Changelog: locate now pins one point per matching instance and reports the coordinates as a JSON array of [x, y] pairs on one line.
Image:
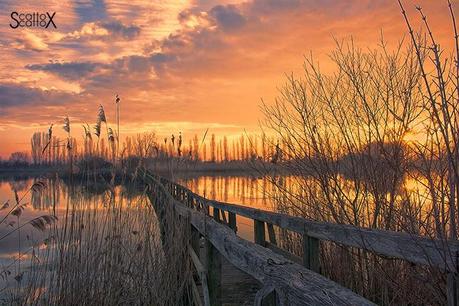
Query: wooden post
[[216, 214], [195, 237], [232, 221], [271, 234], [214, 268], [311, 253], [259, 232]]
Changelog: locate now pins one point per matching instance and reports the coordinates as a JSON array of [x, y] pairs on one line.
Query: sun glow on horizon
[[178, 65]]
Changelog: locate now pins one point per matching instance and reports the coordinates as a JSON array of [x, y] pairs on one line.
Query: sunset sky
[[177, 65]]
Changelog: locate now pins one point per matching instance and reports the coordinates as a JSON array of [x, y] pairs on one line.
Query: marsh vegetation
[[95, 246], [374, 144]]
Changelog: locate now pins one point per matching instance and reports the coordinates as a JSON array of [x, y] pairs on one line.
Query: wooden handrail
[[293, 283], [413, 248]]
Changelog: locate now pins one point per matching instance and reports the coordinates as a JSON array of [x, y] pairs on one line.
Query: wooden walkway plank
[[293, 284], [410, 247], [298, 285]]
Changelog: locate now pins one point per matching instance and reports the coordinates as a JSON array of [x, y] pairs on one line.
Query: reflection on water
[[252, 191], [246, 190], [70, 203], [347, 201], [249, 191], [60, 195]]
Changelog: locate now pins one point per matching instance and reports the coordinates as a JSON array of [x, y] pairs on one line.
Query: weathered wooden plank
[[295, 284], [238, 287], [299, 285], [284, 253], [413, 248]]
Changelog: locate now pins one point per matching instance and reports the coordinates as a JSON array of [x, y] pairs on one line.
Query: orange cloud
[[181, 64]]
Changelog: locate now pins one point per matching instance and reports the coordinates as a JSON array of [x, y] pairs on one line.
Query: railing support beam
[[216, 214], [214, 268], [259, 232], [232, 221], [311, 253]]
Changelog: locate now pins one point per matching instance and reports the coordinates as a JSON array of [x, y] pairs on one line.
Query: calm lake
[[18, 241]]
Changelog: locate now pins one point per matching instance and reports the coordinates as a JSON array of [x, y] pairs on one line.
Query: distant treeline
[[53, 151]]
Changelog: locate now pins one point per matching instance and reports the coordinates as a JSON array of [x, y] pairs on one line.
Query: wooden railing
[[441, 254]]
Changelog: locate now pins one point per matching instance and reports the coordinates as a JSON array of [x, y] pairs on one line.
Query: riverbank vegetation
[[379, 141], [103, 246], [374, 144]]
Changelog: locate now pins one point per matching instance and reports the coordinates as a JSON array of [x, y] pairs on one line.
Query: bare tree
[[346, 138]]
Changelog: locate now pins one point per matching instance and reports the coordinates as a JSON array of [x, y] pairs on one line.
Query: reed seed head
[[101, 115], [67, 124]]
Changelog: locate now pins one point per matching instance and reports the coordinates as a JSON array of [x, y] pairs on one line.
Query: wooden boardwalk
[[238, 288], [233, 271]]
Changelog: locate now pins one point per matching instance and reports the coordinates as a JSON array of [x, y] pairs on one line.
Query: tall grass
[[107, 250]]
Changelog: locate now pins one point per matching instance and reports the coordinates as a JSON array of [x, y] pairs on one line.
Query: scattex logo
[[32, 20]]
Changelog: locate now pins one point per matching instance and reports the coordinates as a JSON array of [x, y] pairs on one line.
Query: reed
[[106, 249]]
